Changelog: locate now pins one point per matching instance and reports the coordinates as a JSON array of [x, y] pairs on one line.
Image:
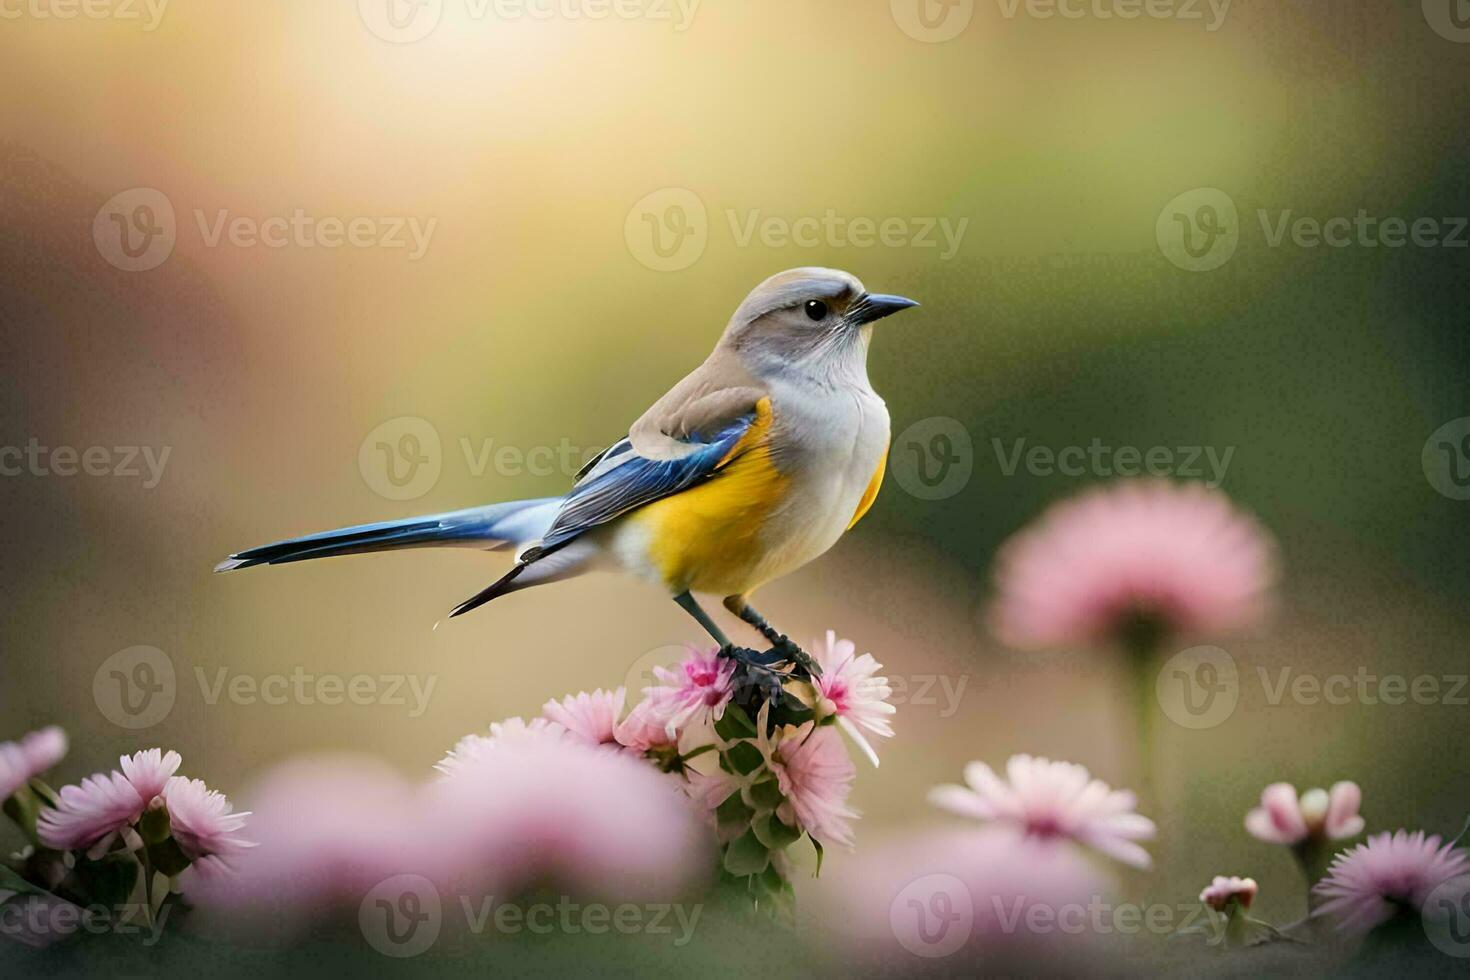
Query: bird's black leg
[[781, 644], [756, 678]]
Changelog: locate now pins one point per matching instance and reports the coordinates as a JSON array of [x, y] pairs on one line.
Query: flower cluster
[[138, 828]]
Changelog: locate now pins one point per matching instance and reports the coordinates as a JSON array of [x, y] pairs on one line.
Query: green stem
[[147, 884]]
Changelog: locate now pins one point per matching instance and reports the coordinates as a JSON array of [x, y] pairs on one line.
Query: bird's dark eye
[[816, 310]]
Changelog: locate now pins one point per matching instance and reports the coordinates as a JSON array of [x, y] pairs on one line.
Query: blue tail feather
[[493, 527]]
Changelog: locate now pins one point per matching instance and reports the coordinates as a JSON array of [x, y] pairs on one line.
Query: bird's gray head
[[815, 321]]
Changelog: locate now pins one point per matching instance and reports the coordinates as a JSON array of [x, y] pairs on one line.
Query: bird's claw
[[756, 680], [789, 651]]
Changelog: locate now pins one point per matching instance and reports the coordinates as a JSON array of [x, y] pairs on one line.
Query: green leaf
[[109, 881], [745, 758], [732, 811], [776, 835], [746, 855], [11, 881], [734, 723], [766, 794], [167, 857], [817, 846]]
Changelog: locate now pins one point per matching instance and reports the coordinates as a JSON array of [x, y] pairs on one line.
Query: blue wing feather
[[621, 481]]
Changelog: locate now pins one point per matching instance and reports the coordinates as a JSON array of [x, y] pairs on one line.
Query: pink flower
[[1178, 554], [850, 689], [203, 822], [643, 729], [698, 688], [1369, 884], [503, 734], [22, 761], [1051, 800], [329, 829], [1319, 814], [964, 896], [815, 777], [560, 813], [1222, 891], [593, 718], [104, 807]]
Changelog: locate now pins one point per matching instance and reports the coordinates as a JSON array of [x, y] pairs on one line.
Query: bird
[[753, 465]]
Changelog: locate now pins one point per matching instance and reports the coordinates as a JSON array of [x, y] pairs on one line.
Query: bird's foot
[[757, 681], [786, 650]]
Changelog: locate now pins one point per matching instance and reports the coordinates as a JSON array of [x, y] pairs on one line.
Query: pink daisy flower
[[593, 718], [697, 689], [1319, 814], [1179, 555], [815, 777], [851, 689], [105, 806], [22, 761], [1052, 800], [1222, 891], [1371, 883], [643, 729], [204, 823], [510, 733]]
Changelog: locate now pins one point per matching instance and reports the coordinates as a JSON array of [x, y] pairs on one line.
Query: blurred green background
[[533, 319]]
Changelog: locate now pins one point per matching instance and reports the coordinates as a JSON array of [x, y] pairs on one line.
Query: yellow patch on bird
[[874, 485], [707, 538]]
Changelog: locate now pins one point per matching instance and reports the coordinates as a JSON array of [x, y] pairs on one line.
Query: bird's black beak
[[875, 306]]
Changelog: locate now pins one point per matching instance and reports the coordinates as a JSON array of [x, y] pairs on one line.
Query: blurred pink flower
[[1222, 891], [1283, 819], [851, 688], [815, 776], [1371, 883], [328, 828], [698, 688], [961, 896], [22, 761], [1089, 567], [557, 811], [104, 806], [203, 822], [593, 718], [1046, 800]]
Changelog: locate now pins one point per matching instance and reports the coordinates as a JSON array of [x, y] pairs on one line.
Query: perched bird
[[750, 467]]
